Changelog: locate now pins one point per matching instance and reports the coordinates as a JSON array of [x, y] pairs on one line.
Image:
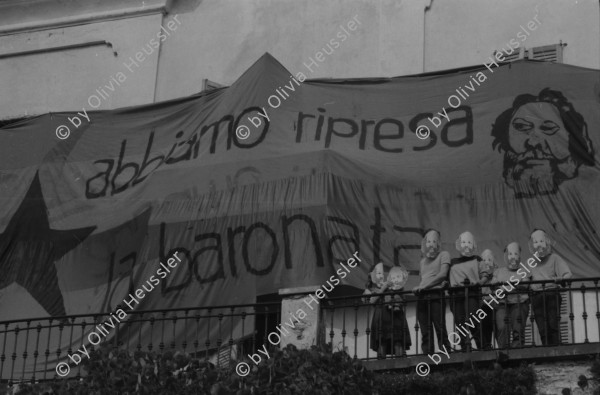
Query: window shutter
[[564, 325], [515, 55], [547, 53]]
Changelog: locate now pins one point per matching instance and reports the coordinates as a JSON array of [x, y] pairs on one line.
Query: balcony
[[30, 349], [348, 325]]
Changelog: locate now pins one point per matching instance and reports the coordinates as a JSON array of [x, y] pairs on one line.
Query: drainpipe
[[427, 8]]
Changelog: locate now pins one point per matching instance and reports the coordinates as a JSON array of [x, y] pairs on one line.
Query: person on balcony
[[398, 326], [431, 303], [546, 298], [488, 264], [512, 310], [466, 270], [376, 285]]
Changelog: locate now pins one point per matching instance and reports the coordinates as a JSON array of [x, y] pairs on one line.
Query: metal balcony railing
[[30, 349], [359, 326]]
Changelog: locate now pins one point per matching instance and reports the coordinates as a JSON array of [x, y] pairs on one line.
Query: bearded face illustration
[[544, 141]]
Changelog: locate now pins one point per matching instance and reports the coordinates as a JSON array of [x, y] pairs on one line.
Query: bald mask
[[512, 256], [540, 243], [466, 245], [397, 277], [430, 245], [377, 275], [488, 259]]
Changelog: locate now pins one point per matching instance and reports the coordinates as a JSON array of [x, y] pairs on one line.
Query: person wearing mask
[[513, 308], [546, 298], [465, 302], [488, 265], [381, 316], [431, 303]]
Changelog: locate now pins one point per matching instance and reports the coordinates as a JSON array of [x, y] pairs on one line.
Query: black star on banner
[[29, 248]]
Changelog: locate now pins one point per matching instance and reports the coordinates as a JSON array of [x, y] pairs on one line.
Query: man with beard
[[431, 304], [466, 270], [512, 311], [546, 299], [544, 140]]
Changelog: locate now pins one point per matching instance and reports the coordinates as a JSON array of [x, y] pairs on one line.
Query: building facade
[[55, 55]]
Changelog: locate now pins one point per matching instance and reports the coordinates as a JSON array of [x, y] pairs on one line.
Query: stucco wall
[[220, 39], [64, 80], [466, 32]]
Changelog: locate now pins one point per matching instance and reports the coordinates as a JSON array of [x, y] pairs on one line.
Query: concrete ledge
[[565, 352], [18, 16], [299, 290]]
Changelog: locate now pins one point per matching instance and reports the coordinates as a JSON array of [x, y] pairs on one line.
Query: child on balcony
[[400, 335], [376, 285], [381, 324]]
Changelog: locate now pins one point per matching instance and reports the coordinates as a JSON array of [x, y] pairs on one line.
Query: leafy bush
[[122, 372], [595, 369], [499, 381], [287, 372], [315, 371]]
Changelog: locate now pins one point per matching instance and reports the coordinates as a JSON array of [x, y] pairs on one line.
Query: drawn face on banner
[[540, 243], [466, 245], [512, 255], [430, 245], [488, 260], [397, 277], [377, 275], [544, 141], [544, 137]]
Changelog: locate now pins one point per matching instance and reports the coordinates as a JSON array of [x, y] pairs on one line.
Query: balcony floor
[[528, 354]]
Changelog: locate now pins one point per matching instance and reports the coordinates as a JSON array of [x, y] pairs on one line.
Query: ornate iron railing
[[30, 349], [352, 322]]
